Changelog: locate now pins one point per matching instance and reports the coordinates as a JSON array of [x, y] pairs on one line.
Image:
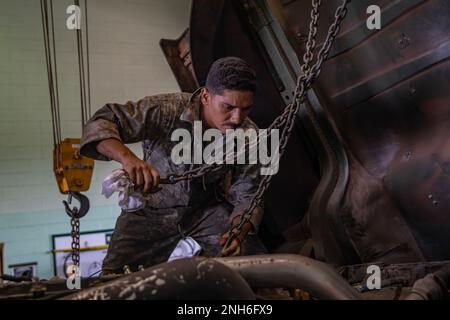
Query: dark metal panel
[[296, 14], [178, 56], [387, 95], [205, 20], [403, 48], [359, 32], [401, 137], [365, 90]]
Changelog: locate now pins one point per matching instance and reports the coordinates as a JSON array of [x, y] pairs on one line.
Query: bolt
[[404, 41], [301, 37], [126, 269]]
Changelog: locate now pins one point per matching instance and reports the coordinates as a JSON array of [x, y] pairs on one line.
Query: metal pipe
[[186, 279], [292, 271]]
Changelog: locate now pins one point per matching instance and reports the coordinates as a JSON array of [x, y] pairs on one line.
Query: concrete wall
[[126, 64]]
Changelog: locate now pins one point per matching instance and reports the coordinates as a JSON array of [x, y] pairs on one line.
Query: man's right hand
[[140, 172]]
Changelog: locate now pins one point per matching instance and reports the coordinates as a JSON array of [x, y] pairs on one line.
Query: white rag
[[130, 198], [186, 248]]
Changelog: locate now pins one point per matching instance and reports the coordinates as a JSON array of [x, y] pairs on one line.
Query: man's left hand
[[234, 248]]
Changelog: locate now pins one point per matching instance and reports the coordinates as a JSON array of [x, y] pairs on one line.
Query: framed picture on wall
[[25, 270], [93, 247]]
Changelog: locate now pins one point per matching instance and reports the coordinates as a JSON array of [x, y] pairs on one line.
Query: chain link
[[311, 43], [75, 223]]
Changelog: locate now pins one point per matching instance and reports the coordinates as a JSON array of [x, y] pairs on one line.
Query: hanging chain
[[75, 223], [75, 233], [75, 215]]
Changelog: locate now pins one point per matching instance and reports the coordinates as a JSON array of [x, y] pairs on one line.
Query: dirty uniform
[[200, 208]]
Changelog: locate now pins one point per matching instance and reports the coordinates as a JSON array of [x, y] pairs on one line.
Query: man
[[203, 208]]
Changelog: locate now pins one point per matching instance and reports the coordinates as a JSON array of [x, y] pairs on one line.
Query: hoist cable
[[80, 54], [89, 110], [44, 24], [56, 130], [56, 87]]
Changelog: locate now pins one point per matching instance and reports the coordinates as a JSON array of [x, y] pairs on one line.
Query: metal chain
[[75, 223], [311, 43], [193, 173]]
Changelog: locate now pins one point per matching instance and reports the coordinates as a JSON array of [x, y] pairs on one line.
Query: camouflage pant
[[148, 237]]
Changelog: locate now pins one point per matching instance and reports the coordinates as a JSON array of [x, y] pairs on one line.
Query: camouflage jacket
[[151, 121]]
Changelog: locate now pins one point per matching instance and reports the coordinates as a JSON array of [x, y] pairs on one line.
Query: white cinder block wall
[[126, 64]]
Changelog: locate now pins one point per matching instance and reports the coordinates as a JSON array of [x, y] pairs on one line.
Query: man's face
[[227, 110]]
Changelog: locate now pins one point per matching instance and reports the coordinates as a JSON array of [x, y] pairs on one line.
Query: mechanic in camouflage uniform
[[203, 208]]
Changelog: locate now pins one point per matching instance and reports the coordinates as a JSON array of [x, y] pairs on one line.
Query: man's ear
[[205, 96]]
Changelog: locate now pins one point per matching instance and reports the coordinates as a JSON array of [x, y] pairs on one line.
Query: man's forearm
[[114, 149], [140, 172]]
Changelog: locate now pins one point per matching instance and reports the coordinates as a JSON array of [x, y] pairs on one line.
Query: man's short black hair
[[230, 73]]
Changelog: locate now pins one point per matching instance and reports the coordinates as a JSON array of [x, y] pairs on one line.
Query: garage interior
[[364, 181]]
